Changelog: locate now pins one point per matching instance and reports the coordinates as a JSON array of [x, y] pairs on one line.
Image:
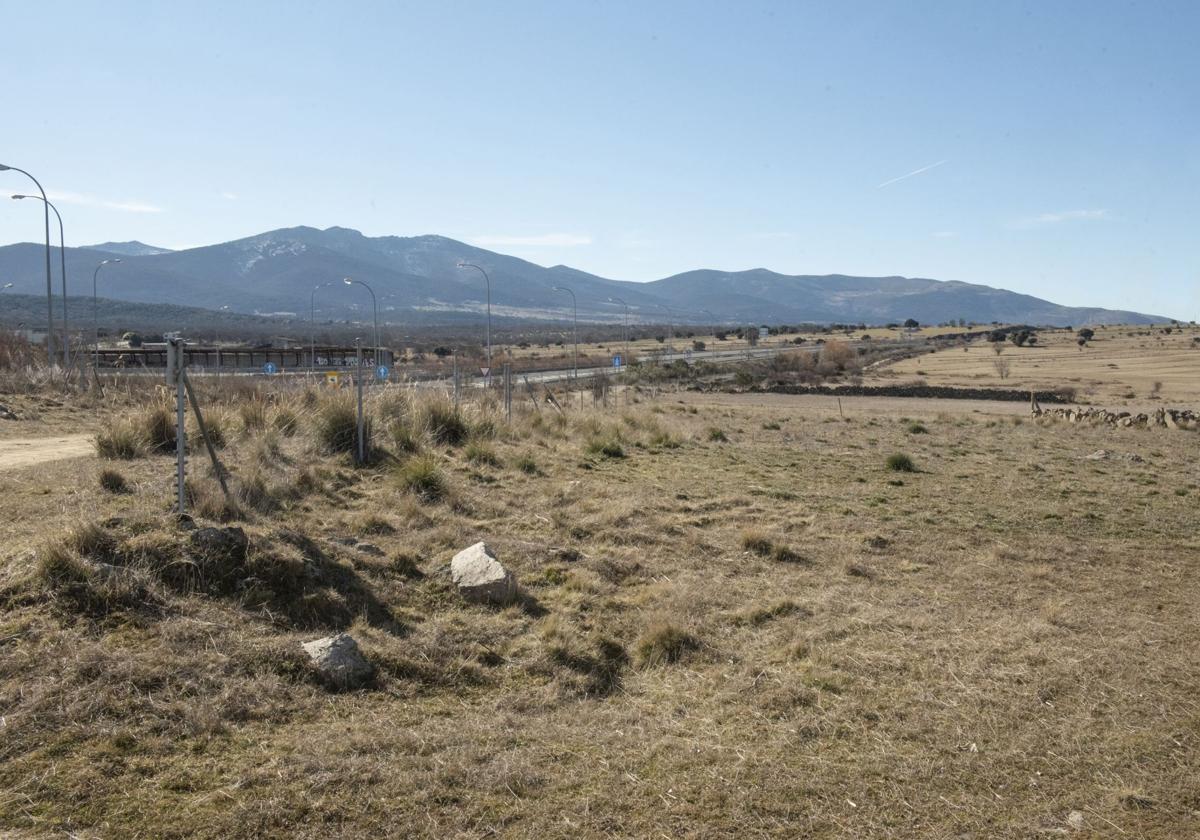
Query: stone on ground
[[481, 578], [339, 661]]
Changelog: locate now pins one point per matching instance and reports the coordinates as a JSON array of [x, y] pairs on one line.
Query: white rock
[[339, 661], [481, 578], [1075, 820]]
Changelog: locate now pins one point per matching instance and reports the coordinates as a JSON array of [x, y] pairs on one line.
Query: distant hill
[[416, 280], [128, 249]]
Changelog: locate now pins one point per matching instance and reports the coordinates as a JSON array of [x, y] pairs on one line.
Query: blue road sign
[[269, 367], [382, 372], [616, 361]]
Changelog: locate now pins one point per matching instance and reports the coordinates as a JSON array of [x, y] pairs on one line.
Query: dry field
[[736, 620], [1120, 367]]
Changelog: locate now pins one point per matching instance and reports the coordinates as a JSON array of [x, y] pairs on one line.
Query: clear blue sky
[[636, 140]]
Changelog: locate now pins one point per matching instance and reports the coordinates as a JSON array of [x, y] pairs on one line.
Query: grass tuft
[[605, 447], [113, 481], [423, 477], [663, 643], [480, 454], [337, 426], [120, 439], [899, 462]]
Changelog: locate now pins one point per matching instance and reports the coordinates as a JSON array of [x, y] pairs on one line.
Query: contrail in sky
[[910, 174]]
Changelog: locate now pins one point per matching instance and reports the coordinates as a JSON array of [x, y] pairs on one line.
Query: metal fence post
[[362, 451], [508, 391], [175, 376]]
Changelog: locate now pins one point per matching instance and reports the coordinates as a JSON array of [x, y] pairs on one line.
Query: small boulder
[[481, 578], [339, 661]]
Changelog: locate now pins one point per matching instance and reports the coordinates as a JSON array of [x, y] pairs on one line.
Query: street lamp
[[487, 280], [49, 288], [62, 254], [350, 281], [626, 305], [95, 316], [575, 308]]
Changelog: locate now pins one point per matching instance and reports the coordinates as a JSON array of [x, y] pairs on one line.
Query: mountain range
[[417, 280]]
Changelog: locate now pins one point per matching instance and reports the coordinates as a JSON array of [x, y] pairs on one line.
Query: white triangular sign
[[485, 371]]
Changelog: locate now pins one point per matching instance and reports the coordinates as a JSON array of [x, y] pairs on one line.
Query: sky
[[1051, 148]]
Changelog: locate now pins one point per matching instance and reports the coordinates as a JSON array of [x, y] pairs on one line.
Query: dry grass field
[[1121, 366], [739, 616]]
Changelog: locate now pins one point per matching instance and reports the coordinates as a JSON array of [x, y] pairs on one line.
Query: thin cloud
[[911, 174], [1058, 218], [91, 201], [772, 235], [228, 196], [945, 234], [545, 240]]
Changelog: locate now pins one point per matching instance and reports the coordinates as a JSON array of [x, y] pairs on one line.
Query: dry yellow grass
[[975, 649], [1119, 367]]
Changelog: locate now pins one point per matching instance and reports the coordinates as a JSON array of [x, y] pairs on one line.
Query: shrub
[[717, 435], [113, 481], [915, 428], [422, 477], [662, 643], [899, 462], [120, 439], [526, 464]]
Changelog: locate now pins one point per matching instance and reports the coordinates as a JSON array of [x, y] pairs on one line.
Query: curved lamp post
[[488, 281], [62, 255], [95, 316], [350, 281], [49, 288], [626, 305], [575, 310]]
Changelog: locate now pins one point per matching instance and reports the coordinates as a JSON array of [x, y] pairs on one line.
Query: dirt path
[[25, 452]]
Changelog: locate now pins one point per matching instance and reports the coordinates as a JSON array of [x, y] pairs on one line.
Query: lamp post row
[[49, 286], [50, 349]]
